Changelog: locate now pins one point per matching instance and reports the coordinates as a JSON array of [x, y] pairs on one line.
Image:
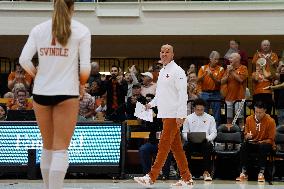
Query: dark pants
[[205, 149], [149, 151], [216, 106], [260, 151]]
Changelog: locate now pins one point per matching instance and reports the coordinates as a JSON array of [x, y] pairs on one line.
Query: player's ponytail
[[61, 21]]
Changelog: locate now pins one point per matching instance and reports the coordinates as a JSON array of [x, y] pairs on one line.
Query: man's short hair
[[150, 95], [94, 64], [136, 86], [236, 41], [115, 66], [260, 104], [200, 102]]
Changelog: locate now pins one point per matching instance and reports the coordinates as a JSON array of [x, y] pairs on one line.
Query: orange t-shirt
[[15, 105], [266, 129], [260, 84], [28, 78], [236, 89], [271, 62], [273, 57], [208, 83]]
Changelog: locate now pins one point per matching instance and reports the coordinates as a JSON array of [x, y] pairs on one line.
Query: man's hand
[[267, 88], [132, 69], [148, 106], [248, 136], [179, 122], [230, 68], [119, 79]]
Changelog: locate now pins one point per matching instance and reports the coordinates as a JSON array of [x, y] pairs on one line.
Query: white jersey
[[171, 93], [205, 123], [57, 72]]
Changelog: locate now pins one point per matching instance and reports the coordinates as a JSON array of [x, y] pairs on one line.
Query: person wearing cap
[[148, 86], [171, 100]]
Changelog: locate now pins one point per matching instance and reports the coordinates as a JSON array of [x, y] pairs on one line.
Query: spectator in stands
[[87, 107], [101, 107], [20, 101], [191, 69], [60, 43], [270, 57], [9, 95], [148, 87], [131, 79], [209, 78], [171, 99], [193, 91], [116, 94], [95, 73], [131, 101], [278, 89], [148, 151], [234, 48], [259, 136], [3, 112], [235, 78], [200, 121], [19, 76], [261, 79], [19, 86], [97, 89]]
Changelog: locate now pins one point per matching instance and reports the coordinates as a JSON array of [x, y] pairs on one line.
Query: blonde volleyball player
[[59, 42]]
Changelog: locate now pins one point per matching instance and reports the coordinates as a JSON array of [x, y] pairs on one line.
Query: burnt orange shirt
[[14, 105], [260, 84], [208, 83], [236, 89], [265, 131], [28, 78], [273, 58], [271, 62]]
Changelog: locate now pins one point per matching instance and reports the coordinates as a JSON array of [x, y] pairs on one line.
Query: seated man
[[149, 150], [200, 121], [259, 136]]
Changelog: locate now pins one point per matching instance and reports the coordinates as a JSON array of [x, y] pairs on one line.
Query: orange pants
[[170, 140]]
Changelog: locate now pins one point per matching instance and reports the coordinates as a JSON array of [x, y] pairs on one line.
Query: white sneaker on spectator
[[145, 180]]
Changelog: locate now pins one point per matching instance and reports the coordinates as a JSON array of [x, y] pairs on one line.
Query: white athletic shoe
[[183, 184], [145, 181]]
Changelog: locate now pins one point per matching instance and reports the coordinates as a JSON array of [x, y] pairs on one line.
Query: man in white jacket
[[200, 121], [171, 100]]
